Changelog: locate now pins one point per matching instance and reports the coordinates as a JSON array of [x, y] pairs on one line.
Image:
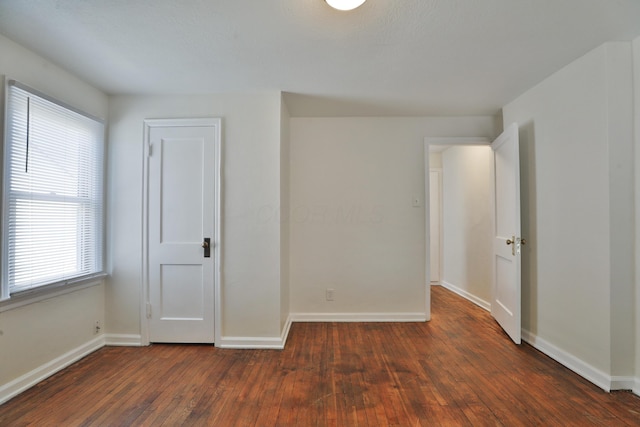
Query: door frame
[[144, 285], [438, 172], [480, 140]]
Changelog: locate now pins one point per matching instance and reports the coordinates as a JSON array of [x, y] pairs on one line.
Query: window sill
[[32, 296]]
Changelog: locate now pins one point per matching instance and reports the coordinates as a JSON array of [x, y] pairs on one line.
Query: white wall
[[467, 213], [577, 205], [33, 335], [353, 227], [251, 186]]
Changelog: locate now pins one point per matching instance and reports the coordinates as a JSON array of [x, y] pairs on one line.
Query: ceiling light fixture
[[344, 4]]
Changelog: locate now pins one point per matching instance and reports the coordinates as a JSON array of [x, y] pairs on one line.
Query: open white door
[[506, 305]]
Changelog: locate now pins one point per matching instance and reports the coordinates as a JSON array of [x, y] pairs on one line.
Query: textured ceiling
[[388, 57]]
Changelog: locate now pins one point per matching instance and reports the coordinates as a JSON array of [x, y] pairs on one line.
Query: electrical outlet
[[97, 328], [329, 294]]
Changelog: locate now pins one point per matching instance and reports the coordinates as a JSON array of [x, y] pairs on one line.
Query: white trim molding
[[622, 383], [123, 340], [466, 295], [28, 380], [636, 387], [274, 343], [457, 140], [359, 317], [249, 343], [48, 292], [588, 372]]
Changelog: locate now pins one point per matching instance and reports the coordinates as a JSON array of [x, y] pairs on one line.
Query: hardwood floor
[[458, 369]]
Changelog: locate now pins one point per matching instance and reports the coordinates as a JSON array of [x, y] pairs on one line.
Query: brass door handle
[[522, 241], [205, 244], [516, 244]]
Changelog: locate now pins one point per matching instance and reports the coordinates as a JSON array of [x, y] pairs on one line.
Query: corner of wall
[[620, 142], [285, 117], [272, 343], [636, 144], [499, 123]]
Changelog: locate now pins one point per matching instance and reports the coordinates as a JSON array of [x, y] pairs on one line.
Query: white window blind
[[53, 192]]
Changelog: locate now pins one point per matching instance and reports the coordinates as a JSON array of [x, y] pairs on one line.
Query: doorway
[[504, 241], [182, 230], [462, 166], [465, 252]]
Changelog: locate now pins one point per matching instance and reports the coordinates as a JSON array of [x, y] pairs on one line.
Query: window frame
[[9, 299]]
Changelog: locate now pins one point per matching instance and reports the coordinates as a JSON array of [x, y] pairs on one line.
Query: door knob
[[517, 243], [522, 241]]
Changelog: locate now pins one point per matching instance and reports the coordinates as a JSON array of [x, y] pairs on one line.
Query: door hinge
[[148, 310], [149, 150]]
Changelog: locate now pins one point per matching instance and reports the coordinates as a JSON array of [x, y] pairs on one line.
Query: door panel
[[506, 304], [181, 185], [181, 209], [181, 292]]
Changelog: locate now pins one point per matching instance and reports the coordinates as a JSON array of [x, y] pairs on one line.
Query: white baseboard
[[622, 383], [22, 383], [474, 299], [275, 343], [604, 381], [278, 343], [588, 372], [285, 330], [123, 340], [359, 317]]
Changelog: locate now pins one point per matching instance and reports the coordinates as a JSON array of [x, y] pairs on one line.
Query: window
[[53, 192]]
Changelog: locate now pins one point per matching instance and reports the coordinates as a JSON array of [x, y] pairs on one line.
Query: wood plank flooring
[[458, 369]]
